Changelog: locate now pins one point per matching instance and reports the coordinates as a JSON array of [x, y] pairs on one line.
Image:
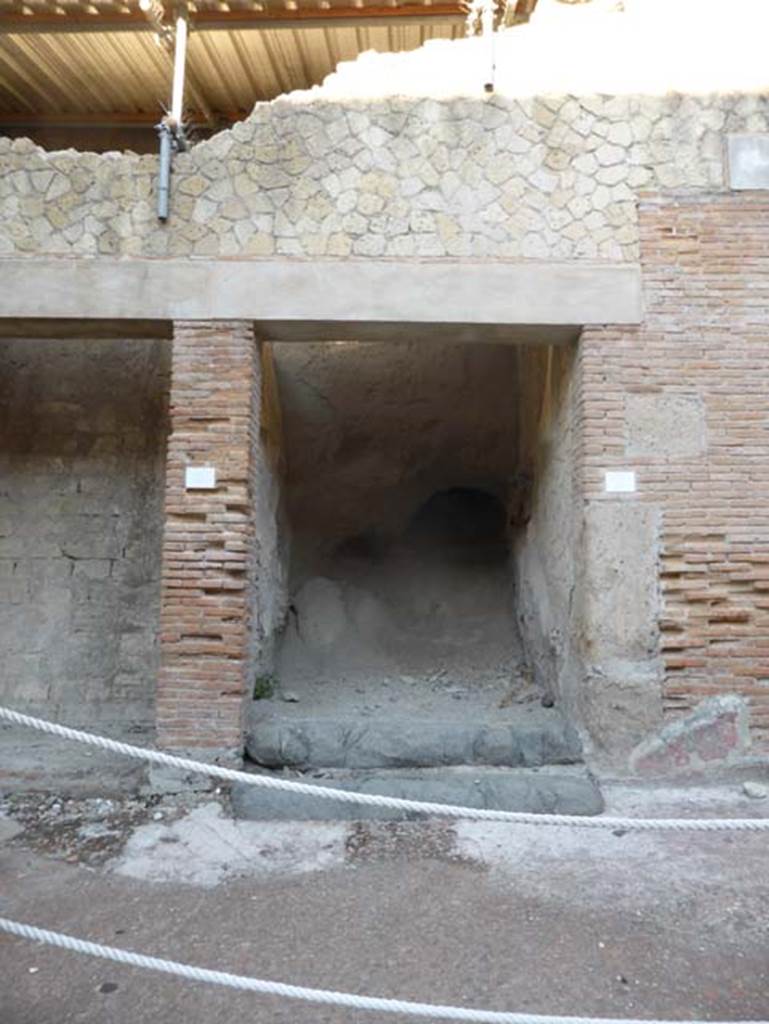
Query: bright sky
[[652, 47]]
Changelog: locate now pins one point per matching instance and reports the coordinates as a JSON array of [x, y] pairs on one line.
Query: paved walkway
[[550, 921]]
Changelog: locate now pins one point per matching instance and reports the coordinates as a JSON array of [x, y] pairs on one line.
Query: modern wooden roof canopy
[[100, 62]]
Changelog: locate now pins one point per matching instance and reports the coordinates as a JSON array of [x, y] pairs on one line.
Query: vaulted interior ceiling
[[72, 69]]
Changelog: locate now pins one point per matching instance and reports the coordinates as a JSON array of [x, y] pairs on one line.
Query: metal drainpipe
[[488, 14], [164, 168], [170, 129]]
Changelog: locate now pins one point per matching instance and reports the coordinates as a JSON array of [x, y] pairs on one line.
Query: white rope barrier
[[307, 995], [395, 803]]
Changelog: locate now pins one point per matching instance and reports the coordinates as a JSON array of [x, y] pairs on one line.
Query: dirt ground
[[544, 920]]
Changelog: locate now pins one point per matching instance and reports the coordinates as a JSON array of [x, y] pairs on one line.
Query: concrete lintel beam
[[346, 292]]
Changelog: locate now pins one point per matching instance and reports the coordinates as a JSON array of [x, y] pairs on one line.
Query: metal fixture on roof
[[482, 19], [155, 14], [171, 128]]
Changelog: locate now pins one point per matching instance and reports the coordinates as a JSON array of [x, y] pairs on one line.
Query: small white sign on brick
[[620, 481], [200, 478]]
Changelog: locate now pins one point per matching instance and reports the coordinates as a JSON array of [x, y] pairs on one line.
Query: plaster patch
[[671, 425], [620, 580], [509, 853], [641, 866], [618, 599], [716, 732], [206, 847]]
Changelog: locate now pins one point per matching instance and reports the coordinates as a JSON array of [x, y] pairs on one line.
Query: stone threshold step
[[284, 736], [567, 790]]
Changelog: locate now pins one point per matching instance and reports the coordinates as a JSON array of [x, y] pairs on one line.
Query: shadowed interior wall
[[372, 431], [549, 518], [269, 570], [82, 439], [401, 462]]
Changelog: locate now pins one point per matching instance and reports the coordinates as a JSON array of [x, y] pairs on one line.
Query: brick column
[[208, 537]]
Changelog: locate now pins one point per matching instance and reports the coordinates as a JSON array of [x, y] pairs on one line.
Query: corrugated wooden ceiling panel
[[128, 73]]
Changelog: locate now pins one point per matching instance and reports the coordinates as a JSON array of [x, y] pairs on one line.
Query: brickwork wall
[[684, 400], [209, 536]]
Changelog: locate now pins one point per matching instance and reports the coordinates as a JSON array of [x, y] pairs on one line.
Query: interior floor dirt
[[408, 638], [442, 695]]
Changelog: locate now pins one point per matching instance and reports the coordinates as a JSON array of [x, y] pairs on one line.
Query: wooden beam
[[238, 20], [522, 11], [112, 119], [85, 329]]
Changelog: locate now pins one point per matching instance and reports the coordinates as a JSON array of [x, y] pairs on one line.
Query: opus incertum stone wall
[[554, 177]]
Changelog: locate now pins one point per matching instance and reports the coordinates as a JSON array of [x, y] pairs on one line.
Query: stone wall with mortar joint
[[682, 400], [83, 427], [549, 177]]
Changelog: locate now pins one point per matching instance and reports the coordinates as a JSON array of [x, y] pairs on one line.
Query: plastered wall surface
[[83, 426], [268, 571], [547, 543]]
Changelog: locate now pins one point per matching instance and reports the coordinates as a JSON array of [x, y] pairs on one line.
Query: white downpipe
[[180, 56], [171, 128]]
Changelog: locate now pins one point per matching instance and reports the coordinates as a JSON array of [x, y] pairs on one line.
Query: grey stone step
[[284, 736], [566, 790]]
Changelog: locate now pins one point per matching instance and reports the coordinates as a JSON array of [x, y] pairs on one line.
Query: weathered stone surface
[[292, 736], [539, 791], [545, 548], [669, 424], [617, 605], [714, 735], [410, 168], [83, 426]]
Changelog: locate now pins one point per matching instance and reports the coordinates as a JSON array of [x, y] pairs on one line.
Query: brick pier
[[208, 538]]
